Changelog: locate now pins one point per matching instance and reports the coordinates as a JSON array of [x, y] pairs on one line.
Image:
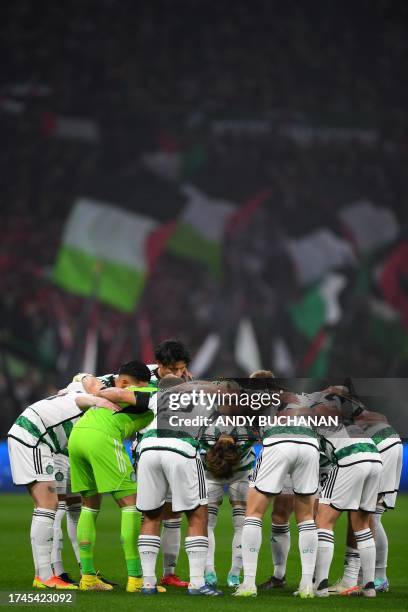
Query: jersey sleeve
[[75, 387]]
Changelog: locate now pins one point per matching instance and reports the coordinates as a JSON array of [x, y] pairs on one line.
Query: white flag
[[247, 353]]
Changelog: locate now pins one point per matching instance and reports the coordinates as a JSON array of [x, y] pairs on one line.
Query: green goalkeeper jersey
[[123, 424]]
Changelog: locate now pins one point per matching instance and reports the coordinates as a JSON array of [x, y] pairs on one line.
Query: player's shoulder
[[108, 380], [73, 387]]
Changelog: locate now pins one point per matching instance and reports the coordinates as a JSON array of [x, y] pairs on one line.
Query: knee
[[359, 525], [303, 516], [49, 501], [73, 500], [168, 514], [283, 507], [325, 519], [280, 517], [304, 508], [153, 516], [198, 517]]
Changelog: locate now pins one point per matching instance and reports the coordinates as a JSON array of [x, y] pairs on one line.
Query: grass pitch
[[16, 566]]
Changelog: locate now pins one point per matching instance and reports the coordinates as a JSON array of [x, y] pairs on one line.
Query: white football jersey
[[49, 420]]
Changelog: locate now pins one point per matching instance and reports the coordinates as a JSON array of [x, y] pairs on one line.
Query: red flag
[[157, 241], [392, 279], [245, 212], [313, 350]]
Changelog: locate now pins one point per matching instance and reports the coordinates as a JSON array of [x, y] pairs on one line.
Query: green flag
[[200, 229], [103, 253]]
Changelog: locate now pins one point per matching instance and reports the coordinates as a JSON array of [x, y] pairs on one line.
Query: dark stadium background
[[290, 111]]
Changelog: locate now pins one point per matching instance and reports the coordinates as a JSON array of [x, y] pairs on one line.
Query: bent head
[[223, 459], [172, 357], [133, 374]]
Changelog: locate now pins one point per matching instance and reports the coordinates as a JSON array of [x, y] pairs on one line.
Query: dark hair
[[170, 351], [222, 459], [136, 369]]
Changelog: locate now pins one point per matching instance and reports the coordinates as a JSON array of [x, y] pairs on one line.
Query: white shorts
[[136, 467], [353, 487], [30, 464], [164, 472], [237, 488], [300, 461], [391, 475], [62, 474], [288, 485]]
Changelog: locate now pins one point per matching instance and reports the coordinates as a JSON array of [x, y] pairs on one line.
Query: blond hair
[[262, 374]]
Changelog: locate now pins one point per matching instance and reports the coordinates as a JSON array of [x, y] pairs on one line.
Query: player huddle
[[68, 450]]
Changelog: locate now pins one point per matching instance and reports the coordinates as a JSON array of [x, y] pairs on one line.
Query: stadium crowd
[[254, 56]]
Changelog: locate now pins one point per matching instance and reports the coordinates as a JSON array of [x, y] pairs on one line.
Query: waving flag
[[201, 228], [317, 253], [370, 227], [104, 253], [319, 306]]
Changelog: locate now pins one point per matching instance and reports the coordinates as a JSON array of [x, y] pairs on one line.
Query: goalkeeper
[[100, 464]]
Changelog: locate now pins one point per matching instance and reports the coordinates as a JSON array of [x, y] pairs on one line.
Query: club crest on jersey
[[59, 476], [49, 469]]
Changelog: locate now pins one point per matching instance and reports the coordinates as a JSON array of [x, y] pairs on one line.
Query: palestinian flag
[[201, 228], [313, 316], [104, 253]]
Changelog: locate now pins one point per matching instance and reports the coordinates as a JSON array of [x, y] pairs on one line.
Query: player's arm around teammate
[[100, 464], [34, 440]]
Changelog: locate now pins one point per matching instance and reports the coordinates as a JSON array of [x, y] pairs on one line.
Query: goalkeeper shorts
[[99, 463]]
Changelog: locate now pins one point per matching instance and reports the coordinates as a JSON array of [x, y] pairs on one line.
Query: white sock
[[212, 521], [280, 545], [325, 550], [197, 550], [308, 551], [149, 546], [381, 545], [34, 557], [56, 553], [366, 548], [170, 543], [73, 512], [42, 532], [251, 543], [351, 567], [238, 517]]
